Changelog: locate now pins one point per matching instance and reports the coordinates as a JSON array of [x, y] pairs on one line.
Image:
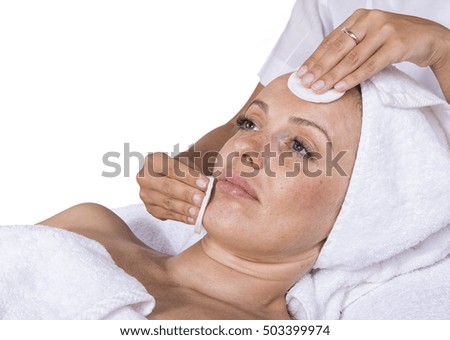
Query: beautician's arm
[[168, 186], [441, 70], [384, 38]]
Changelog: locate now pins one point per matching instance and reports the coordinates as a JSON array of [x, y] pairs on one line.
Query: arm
[[384, 38], [169, 195], [441, 70]]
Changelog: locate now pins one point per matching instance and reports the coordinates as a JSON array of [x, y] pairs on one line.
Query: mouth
[[236, 186]]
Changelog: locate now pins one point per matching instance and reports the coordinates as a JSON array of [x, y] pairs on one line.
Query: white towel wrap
[[50, 273]]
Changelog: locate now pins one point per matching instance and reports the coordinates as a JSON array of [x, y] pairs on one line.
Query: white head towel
[[396, 215]]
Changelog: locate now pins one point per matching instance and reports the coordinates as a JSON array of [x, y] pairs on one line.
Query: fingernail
[[318, 85], [340, 86], [302, 70], [197, 199], [308, 78], [190, 220], [192, 211], [201, 183]]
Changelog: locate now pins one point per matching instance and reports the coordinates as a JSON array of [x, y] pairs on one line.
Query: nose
[[250, 152]]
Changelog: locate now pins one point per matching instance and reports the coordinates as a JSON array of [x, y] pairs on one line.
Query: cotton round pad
[[295, 85], [198, 223]]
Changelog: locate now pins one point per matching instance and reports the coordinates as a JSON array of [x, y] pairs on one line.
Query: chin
[[225, 218], [216, 215]]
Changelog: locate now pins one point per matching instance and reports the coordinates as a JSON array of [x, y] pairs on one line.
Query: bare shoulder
[[93, 221]]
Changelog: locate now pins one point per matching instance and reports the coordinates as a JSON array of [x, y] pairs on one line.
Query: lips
[[236, 186]]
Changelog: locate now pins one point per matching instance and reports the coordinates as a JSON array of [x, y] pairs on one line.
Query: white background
[[82, 78]]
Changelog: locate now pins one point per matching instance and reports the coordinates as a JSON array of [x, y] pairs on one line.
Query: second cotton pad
[[296, 87], [198, 223]]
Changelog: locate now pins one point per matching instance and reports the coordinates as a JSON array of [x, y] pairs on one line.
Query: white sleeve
[[302, 35]]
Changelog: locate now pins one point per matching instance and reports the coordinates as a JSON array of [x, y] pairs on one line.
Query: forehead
[[341, 118]]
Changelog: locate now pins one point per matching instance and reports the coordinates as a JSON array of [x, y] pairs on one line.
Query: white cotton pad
[[198, 224], [295, 85]]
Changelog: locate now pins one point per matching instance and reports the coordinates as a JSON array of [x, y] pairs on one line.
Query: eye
[[300, 148], [246, 124]]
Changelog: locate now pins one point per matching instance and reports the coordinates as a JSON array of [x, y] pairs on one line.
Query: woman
[[265, 225]]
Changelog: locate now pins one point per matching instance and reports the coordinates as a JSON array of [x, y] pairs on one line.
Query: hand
[[171, 189], [384, 38]]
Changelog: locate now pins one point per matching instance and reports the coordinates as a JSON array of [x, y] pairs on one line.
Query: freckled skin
[[293, 214]]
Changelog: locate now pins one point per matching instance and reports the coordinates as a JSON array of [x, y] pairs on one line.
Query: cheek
[[295, 213], [300, 194], [309, 183], [305, 209]]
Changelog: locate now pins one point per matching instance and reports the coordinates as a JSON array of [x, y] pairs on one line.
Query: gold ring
[[350, 34]]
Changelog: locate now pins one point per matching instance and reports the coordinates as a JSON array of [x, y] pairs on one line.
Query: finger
[[184, 173], [161, 164], [171, 204], [371, 66], [334, 51], [172, 188], [164, 214], [330, 51], [322, 49], [154, 164], [354, 59]]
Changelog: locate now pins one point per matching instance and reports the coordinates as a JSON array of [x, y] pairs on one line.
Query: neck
[[215, 272]]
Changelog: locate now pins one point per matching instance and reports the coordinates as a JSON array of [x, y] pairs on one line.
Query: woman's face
[[282, 178]]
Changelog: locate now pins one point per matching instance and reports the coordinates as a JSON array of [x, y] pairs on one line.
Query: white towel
[[396, 215], [50, 273], [421, 294]]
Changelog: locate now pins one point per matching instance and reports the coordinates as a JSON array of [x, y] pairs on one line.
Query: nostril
[[250, 159], [247, 160]]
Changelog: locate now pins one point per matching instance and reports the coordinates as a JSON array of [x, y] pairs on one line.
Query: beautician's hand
[[170, 189], [374, 39]]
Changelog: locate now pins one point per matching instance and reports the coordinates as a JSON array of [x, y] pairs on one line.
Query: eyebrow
[[306, 122], [292, 119], [262, 105]]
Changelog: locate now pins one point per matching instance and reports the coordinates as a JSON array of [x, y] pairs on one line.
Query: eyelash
[[242, 120]]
